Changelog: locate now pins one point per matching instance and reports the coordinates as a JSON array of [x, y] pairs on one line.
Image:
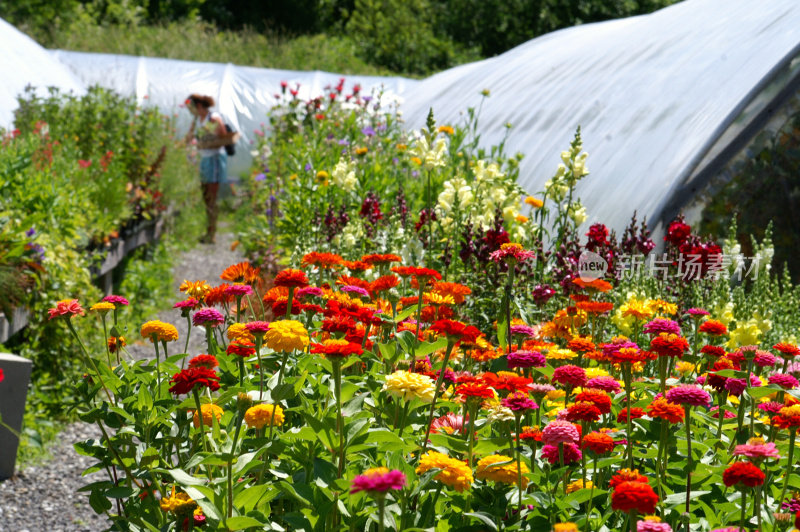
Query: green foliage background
[[413, 37]]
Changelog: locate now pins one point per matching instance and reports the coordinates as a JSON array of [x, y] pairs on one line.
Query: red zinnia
[[636, 413], [381, 259], [742, 474], [582, 411], [188, 379], [626, 475], [337, 349], [713, 350], [598, 398], [291, 279], [473, 389], [787, 350], [669, 345], [713, 327], [321, 260], [242, 348], [570, 375], [66, 307], [204, 361], [634, 496], [455, 330], [382, 284]]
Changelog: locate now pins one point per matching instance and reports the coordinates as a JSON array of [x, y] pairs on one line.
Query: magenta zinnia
[[209, 317], [378, 480]]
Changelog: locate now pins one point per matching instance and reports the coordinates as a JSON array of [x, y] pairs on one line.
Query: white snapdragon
[[344, 175]]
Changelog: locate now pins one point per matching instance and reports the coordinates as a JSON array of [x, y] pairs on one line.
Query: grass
[[201, 41]]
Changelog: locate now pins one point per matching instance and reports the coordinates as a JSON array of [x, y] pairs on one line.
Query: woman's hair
[[200, 99]]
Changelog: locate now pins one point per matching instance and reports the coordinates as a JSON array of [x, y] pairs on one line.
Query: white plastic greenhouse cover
[[653, 94], [23, 62], [244, 95]]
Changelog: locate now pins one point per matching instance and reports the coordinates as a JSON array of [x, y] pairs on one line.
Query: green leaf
[[426, 348], [120, 492], [482, 517], [241, 522], [254, 496], [185, 479]]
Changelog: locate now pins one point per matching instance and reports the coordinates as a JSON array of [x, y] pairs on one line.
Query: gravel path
[[45, 497]]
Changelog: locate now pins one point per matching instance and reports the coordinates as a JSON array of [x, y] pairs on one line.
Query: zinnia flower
[[519, 402], [474, 389], [757, 449], [526, 359], [505, 473], [378, 480], [116, 300], [598, 442], [713, 328], [454, 473], [605, 383], [291, 279], [207, 317], [671, 345], [646, 525], [337, 349], [455, 330], [163, 332], [662, 325], [242, 272], [260, 415], [784, 380], [450, 423], [286, 335], [569, 375], [598, 398], [238, 331], [208, 410], [634, 496], [410, 386], [205, 361], [188, 379], [179, 504], [572, 453], [582, 411], [103, 306], [241, 347], [741, 474], [688, 394], [67, 308], [560, 431], [663, 409], [635, 413], [195, 289]]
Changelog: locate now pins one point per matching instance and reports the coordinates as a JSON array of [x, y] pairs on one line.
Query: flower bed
[[481, 370]]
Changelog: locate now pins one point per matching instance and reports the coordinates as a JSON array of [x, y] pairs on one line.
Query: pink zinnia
[[511, 251], [765, 359], [737, 386], [526, 359], [727, 414], [210, 317], [652, 526], [257, 327], [784, 380], [67, 307], [560, 431], [523, 330], [757, 449], [354, 289], [687, 394], [117, 300], [571, 453], [662, 325], [308, 291], [187, 303], [540, 389], [450, 424], [379, 481], [570, 375], [771, 407], [518, 402], [605, 383], [698, 312], [238, 290]]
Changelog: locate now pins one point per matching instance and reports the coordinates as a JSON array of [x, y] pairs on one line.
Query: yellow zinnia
[[208, 410], [237, 331], [195, 289], [578, 485], [164, 332], [259, 415], [507, 473], [177, 503], [454, 473], [534, 202], [410, 386], [103, 306], [286, 335]]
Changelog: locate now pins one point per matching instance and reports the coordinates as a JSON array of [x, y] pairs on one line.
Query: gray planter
[[13, 392]]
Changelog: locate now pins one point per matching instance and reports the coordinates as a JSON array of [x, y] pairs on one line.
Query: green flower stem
[[238, 422], [337, 390], [632, 520], [403, 417], [200, 417], [509, 286], [517, 416], [743, 518], [188, 335], [661, 460], [91, 360], [105, 336], [757, 508], [722, 399], [792, 437], [626, 376], [470, 431], [154, 337], [591, 496], [289, 303], [381, 511], [450, 344], [432, 508], [284, 359], [238, 308], [113, 449], [259, 340], [419, 317], [241, 371], [687, 413], [209, 338]]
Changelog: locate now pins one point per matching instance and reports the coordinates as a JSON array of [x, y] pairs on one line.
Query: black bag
[[230, 149]]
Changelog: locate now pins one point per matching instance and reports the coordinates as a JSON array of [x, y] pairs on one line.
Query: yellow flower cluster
[[565, 527], [578, 485], [489, 469], [103, 306], [410, 386], [195, 289], [237, 331], [259, 415], [164, 332], [560, 354], [286, 335], [208, 411], [178, 503], [454, 473]]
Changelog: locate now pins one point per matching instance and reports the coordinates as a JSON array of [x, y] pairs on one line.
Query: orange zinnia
[[663, 409], [381, 259], [595, 307], [713, 327], [356, 265], [291, 278], [219, 296], [580, 344], [242, 272], [384, 283], [456, 290], [597, 285], [321, 260]]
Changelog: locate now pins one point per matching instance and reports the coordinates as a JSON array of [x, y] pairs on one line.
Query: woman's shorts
[[214, 169]]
